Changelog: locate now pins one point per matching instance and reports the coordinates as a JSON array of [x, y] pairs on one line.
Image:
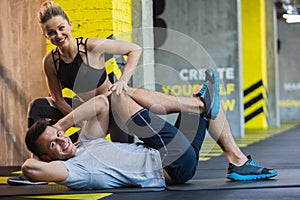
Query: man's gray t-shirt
[[101, 164]]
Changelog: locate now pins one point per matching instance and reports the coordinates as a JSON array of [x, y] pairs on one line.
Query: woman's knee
[[37, 106], [37, 103], [34, 110]]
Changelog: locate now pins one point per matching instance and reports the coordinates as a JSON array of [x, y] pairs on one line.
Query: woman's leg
[[41, 109]]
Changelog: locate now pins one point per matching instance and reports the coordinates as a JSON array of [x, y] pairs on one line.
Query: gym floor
[[273, 148]]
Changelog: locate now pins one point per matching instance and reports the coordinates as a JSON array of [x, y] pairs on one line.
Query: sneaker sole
[[215, 82], [238, 177]]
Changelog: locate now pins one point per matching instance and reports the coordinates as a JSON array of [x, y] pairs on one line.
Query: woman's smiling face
[[58, 30]]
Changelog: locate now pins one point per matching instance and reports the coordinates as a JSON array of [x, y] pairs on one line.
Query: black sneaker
[[209, 94], [22, 180], [249, 171]]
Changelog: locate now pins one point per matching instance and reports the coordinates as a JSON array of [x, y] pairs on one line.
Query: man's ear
[[45, 158], [45, 35]]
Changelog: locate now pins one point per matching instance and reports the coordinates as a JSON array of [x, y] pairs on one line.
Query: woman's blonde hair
[[50, 9]]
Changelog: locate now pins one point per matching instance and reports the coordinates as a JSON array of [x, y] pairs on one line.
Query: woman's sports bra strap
[[55, 51], [81, 41]]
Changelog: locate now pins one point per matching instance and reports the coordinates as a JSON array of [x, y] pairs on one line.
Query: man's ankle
[[240, 161]]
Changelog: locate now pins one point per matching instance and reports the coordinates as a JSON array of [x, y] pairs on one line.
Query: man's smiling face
[[55, 145]]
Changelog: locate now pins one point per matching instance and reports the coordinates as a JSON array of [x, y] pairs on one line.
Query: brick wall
[[99, 18]]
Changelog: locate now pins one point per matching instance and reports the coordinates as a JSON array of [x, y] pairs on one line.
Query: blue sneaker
[[249, 171], [209, 94]]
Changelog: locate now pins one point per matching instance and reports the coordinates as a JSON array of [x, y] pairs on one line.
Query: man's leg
[[160, 103], [179, 158], [96, 112], [118, 131], [194, 127], [219, 128], [204, 101], [241, 168], [220, 131]]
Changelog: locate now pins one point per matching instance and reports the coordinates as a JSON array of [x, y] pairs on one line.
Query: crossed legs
[[219, 128], [178, 144]]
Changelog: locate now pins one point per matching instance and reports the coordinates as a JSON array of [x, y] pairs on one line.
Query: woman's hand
[[118, 87]]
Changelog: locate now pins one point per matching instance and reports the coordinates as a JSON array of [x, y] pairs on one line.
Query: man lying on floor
[[168, 155]]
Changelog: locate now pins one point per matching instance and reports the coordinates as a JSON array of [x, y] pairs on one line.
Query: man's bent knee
[[101, 101]]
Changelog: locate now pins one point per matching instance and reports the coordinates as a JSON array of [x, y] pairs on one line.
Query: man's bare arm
[[85, 111], [36, 170]]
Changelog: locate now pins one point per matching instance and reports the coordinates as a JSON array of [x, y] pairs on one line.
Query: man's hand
[[35, 157], [56, 126]]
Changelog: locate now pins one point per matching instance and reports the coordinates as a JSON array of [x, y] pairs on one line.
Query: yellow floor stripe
[[3, 179], [210, 151], [90, 196], [215, 154], [204, 158]]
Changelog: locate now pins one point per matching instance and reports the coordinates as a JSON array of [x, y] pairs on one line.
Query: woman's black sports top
[[78, 75]]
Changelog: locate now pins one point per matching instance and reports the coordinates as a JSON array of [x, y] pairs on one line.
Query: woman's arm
[[36, 170], [54, 85], [118, 47]]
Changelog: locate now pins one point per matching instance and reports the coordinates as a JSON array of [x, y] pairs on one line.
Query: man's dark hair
[[33, 133]]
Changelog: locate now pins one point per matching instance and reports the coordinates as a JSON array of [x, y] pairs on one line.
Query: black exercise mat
[[280, 152], [51, 189], [285, 178]]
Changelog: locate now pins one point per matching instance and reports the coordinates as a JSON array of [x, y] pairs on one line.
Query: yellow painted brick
[[86, 4], [92, 15], [75, 15], [99, 18], [121, 17], [104, 25]]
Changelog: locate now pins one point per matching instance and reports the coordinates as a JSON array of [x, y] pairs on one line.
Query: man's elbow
[[28, 171]]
